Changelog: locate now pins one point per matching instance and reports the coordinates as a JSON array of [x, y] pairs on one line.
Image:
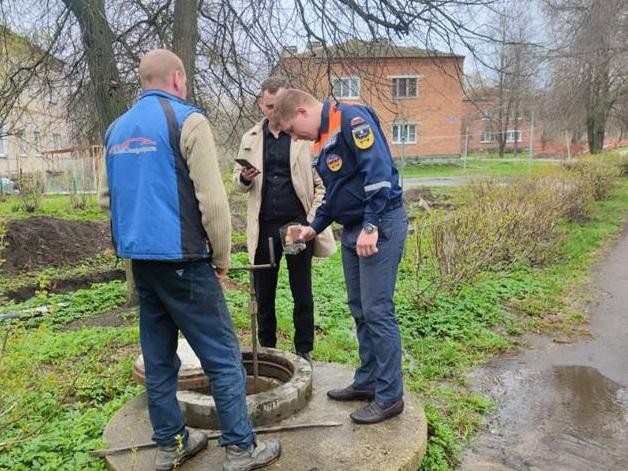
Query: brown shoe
[[351, 394], [376, 412]]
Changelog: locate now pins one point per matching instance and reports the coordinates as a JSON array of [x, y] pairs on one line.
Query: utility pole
[[531, 150], [403, 151], [466, 147]]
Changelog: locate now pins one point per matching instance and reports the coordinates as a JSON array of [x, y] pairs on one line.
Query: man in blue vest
[[170, 216], [362, 193]]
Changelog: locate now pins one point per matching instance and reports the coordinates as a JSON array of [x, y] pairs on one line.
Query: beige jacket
[[199, 151], [307, 185]]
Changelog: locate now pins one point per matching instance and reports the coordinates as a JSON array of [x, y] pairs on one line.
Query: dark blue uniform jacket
[[356, 166]]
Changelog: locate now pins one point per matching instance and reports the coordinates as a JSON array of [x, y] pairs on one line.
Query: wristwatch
[[369, 228]]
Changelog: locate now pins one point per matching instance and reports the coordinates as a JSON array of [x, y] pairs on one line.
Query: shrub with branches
[[600, 173], [505, 224], [32, 187]]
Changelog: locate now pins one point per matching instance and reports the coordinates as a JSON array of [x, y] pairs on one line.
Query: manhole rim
[[263, 408]]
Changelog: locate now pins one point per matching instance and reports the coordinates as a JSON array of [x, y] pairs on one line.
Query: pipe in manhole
[[284, 386]]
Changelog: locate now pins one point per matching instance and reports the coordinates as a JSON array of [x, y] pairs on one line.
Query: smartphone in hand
[[246, 164]]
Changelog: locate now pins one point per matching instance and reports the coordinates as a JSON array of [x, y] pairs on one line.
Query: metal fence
[[71, 170]]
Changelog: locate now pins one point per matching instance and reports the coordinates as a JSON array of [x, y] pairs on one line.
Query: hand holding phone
[[246, 164], [248, 172]]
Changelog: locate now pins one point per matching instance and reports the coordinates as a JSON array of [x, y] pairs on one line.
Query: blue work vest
[[154, 210]]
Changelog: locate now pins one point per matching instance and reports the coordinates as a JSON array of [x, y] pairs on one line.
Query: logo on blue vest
[[134, 145]]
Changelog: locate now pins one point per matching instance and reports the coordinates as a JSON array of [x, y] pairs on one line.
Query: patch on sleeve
[[363, 136], [334, 162], [357, 121]]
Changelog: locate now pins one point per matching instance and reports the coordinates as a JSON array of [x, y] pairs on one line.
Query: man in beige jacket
[[283, 188]]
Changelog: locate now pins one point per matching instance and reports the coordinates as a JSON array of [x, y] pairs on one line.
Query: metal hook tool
[[253, 303]]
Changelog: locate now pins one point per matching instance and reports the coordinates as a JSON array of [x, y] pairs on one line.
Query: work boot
[[376, 412], [254, 458], [168, 457], [306, 356], [350, 393]]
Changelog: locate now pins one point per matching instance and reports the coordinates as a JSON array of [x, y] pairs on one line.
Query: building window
[[56, 141], [487, 137], [52, 96], [404, 87], [20, 137], [346, 87], [511, 135], [404, 133], [37, 142], [32, 88], [516, 115], [487, 115], [4, 144]]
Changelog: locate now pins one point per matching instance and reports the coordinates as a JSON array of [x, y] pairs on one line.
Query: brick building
[[482, 124], [36, 121], [416, 93]]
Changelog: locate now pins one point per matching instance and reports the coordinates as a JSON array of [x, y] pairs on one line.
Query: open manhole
[[284, 386]]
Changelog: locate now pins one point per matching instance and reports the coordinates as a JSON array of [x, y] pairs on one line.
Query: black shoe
[[305, 356], [376, 412], [351, 394]]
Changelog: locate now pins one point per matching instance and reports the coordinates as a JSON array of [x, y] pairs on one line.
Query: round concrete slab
[[284, 386], [394, 445]]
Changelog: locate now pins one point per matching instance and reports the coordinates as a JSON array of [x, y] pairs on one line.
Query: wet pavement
[[563, 407], [413, 182]]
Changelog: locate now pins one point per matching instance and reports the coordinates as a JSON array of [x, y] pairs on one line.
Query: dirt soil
[[121, 317], [563, 407], [40, 242], [65, 285]]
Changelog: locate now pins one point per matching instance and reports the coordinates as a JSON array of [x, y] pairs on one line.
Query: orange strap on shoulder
[[334, 121]]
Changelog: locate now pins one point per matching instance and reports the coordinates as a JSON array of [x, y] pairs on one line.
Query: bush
[[621, 162], [32, 187], [601, 174], [505, 224], [498, 226]]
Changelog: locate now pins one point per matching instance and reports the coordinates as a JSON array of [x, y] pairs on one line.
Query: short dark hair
[[272, 84]]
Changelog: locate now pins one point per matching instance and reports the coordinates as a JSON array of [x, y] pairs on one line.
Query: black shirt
[[279, 200]]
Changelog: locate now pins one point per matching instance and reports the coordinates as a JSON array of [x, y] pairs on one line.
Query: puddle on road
[[591, 401], [554, 417], [564, 418]]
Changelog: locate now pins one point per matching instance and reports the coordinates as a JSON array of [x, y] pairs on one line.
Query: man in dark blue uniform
[[363, 194]]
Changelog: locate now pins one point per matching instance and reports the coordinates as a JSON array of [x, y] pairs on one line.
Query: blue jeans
[[370, 288], [187, 297]]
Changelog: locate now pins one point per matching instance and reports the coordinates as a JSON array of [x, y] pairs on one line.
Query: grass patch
[[59, 388], [56, 206], [475, 168]]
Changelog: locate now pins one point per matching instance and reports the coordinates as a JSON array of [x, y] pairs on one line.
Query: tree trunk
[[109, 100], [185, 37], [596, 124]]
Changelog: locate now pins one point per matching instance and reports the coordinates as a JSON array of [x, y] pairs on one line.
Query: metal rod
[[253, 267], [214, 436], [253, 314], [253, 311]]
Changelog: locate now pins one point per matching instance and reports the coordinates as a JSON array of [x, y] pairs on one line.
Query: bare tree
[[590, 62], [236, 43], [98, 40], [185, 37], [514, 63]]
